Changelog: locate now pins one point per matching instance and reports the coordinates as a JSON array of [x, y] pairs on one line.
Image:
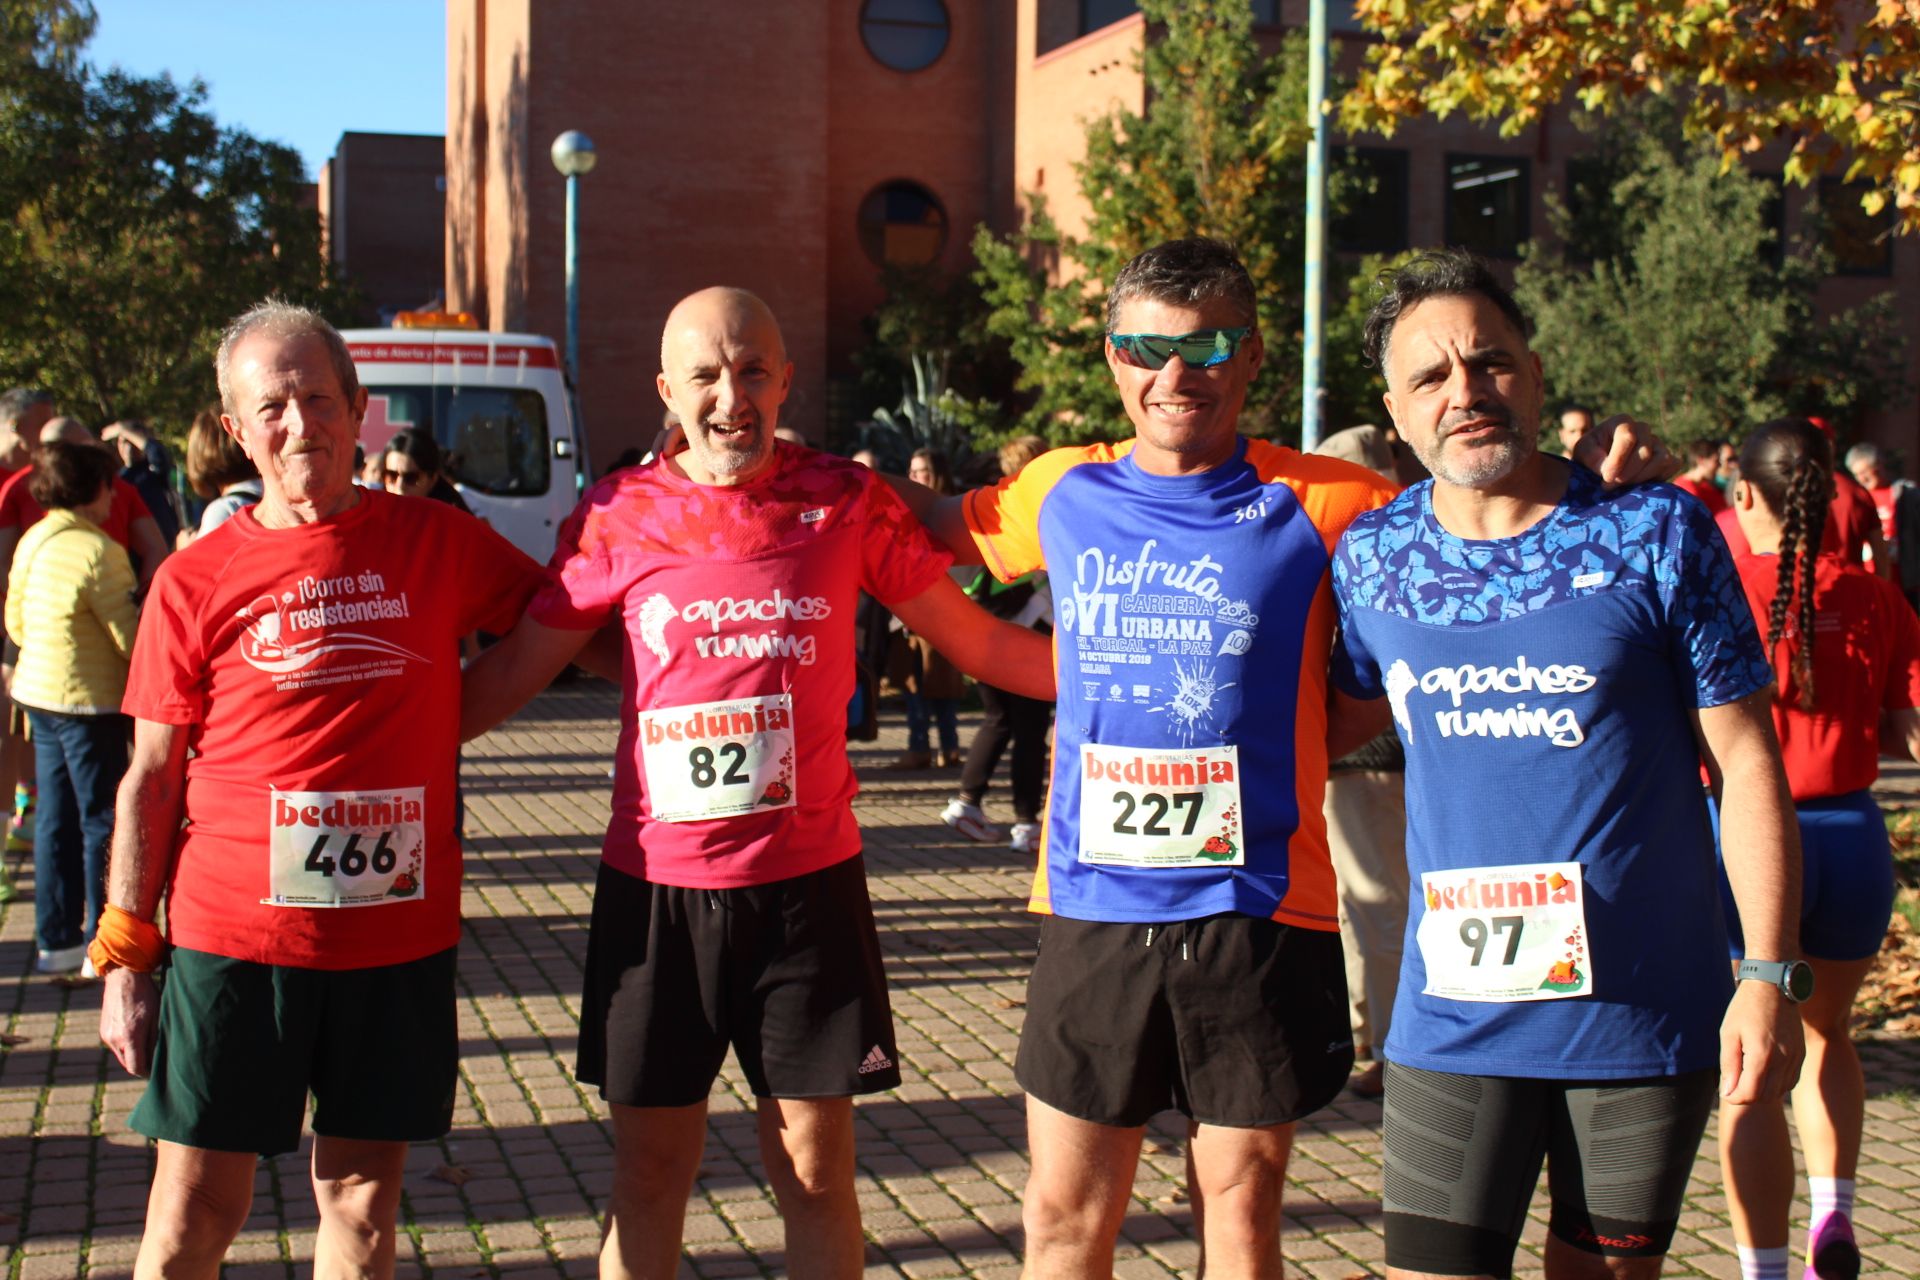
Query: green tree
[[1661, 294], [1841, 81], [1220, 151], [131, 228]]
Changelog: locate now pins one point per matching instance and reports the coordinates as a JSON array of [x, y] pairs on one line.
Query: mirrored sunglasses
[[1201, 349]]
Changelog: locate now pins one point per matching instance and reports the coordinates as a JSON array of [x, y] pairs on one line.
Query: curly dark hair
[[1196, 269], [1789, 461], [1437, 273]]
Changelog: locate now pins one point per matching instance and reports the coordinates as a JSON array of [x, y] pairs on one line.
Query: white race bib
[[346, 848], [718, 759], [1502, 935], [1154, 808]]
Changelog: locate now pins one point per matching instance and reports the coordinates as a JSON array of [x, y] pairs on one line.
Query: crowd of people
[[1286, 687]]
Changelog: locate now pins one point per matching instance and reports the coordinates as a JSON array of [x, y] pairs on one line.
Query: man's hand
[[129, 1018], [1623, 452], [1761, 1045]]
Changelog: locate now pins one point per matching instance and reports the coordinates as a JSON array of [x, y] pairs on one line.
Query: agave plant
[[931, 415]]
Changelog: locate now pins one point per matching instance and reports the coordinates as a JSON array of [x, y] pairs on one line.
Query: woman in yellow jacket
[[70, 609]]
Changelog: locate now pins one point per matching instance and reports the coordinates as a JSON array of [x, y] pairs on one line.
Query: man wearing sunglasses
[[1190, 955]]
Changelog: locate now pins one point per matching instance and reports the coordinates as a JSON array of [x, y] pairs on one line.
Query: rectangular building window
[[1861, 243], [1374, 219], [1095, 14], [1488, 203]]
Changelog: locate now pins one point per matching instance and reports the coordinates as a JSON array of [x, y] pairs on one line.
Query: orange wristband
[[125, 941]]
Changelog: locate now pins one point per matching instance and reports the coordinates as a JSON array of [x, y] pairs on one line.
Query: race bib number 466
[[1502, 935], [347, 848], [718, 759], [1156, 808]]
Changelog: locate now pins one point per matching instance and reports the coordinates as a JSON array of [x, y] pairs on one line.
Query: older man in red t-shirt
[[295, 693]]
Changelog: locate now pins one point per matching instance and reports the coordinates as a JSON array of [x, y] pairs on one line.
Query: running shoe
[[1026, 837], [969, 821], [1835, 1255], [64, 960]]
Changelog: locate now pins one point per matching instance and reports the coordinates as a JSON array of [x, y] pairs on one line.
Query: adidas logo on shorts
[[876, 1060]]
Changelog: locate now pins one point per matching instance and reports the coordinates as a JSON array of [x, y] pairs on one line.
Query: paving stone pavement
[[515, 1188]]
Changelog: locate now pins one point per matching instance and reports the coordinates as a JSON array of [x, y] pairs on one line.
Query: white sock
[[1763, 1264], [1831, 1195]]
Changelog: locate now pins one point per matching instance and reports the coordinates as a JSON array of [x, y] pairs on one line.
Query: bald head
[[66, 431], [723, 306], [724, 374]]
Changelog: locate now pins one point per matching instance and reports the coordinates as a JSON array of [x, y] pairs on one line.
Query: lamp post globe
[[573, 153]]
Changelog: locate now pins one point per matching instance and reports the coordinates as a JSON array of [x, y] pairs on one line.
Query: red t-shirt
[[18, 510], [1885, 505], [738, 604], [1866, 659], [1705, 490], [318, 671]]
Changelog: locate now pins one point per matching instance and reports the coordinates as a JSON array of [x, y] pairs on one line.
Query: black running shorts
[[1231, 1019], [1463, 1157], [787, 973]]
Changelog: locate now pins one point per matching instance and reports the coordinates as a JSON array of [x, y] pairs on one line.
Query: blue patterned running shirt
[[1565, 920]]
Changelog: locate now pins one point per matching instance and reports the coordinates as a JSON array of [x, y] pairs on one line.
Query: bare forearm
[[1760, 844], [501, 681], [146, 829]]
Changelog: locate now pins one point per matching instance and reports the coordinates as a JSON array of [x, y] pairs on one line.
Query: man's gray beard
[[1486, 465], [720, 460]]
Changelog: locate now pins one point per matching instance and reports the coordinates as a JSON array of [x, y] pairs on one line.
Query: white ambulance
[[499, 407]]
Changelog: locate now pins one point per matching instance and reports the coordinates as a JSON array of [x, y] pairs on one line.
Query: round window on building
[[902, 225], [906, 35]]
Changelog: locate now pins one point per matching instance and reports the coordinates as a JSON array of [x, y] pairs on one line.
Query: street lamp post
[[1311, 377], [573, 155]]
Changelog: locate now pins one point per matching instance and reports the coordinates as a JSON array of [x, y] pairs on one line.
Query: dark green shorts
[[242, 1044]]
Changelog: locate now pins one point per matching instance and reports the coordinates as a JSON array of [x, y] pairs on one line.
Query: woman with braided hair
[[1846, 653]]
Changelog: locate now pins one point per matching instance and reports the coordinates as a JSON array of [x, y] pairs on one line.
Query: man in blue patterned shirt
[[1559, 661]]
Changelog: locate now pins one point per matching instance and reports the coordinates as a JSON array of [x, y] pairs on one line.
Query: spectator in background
[[218, 470], [1852, 530], [147, 466], [1009, 718], [415, 467], [70, 607], [1702, 476], [867, 458], [1366, 811], [23, 411], [130, 523], [1729, 467], [1846, 656], [1575, 421], [1897, 502], [934, 685]]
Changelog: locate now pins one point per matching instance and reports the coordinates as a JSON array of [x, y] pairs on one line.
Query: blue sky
[[281, 70]]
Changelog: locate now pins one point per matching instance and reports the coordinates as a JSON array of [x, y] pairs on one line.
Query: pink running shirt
[[738, 604]]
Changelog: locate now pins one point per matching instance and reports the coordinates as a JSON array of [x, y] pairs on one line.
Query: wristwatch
[[1793, 977]]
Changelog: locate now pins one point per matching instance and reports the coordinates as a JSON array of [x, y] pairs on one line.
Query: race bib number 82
[[718, 759]]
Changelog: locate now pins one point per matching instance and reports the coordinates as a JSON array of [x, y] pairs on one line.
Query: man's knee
[[193, 1215], [1056, 1213]]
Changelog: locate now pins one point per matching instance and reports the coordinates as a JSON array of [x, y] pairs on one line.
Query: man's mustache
[[1492, 413]]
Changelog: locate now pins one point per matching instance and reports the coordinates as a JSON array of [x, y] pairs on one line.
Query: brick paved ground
[[513, 1190]]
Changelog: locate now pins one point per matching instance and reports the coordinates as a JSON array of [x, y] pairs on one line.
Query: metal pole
[[1314, 303], [573, 279]]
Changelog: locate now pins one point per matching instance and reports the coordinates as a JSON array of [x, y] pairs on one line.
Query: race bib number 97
[[718, 759], [1153, 808], [347, 848], [1502, 935]]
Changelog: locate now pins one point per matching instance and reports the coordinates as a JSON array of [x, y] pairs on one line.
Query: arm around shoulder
[[501, 681], [1017, 659]]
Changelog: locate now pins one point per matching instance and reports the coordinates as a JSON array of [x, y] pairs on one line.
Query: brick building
[[792, 148], [383, 206]]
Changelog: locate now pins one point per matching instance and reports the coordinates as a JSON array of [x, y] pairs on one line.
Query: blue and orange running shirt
[[1566, 919], [1194, 624]]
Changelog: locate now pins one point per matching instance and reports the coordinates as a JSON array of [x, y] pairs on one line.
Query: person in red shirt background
[[1703, 470], [1896, 501], [1852, 528], [1846, 649]]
